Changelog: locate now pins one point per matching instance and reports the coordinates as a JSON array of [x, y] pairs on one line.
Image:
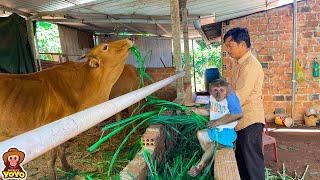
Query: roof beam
[[90, 24], [143, 21], [15, 11], [98, 15], [162, 28]]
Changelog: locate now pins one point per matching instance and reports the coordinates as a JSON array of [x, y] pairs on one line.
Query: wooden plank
[[225, 165]]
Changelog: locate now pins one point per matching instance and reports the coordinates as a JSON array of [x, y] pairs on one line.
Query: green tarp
[[15, 51]]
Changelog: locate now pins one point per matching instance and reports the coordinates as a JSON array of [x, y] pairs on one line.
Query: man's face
[[219, 93], [234, 50], [13, 160]]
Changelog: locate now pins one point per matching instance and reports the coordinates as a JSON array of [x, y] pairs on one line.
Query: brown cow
[[31, 100], [127, 82]]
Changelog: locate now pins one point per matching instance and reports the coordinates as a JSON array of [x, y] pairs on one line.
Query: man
[[246, 81]]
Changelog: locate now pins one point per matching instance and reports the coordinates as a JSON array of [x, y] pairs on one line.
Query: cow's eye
[[105, 47]]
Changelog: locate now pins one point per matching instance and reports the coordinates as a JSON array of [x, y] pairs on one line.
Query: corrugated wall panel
[[70, 43], [152, 49]]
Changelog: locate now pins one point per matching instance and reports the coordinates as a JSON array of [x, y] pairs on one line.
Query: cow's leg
[[51, 164], [62, 154]]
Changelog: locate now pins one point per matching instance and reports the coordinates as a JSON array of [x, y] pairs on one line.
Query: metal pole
[[294, 54], [51, 135]]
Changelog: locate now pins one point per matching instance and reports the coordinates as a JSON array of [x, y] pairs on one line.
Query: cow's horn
[[82, 56]]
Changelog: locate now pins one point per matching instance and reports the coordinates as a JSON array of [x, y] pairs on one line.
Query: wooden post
[[175, 24], [187, 78], [225, 165], [31, 41]]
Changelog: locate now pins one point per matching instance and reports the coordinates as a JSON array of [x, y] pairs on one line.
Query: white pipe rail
[[38, 141]]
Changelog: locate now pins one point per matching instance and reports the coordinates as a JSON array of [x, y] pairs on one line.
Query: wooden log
[[225, 165]]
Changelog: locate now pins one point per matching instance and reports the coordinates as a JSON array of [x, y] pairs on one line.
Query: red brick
[[283, 12], [285, 36], [273, 12], [268, 72], [285, 90], [307, 104], [301, 97], [301, 56], [274, 78], [275, 19], [316, 48], [311, 16], [262, 27], [273, 91], [307, 49], [244, 23], [287, 19], [279, 71], [278, 57], [267, 98], [317, 34], [312, 55], [300, 17], [316, 8], [313, 23], [254, 21], [268, 44], [252, 28]]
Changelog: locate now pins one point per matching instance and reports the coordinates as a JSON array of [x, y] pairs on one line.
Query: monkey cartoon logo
[[12, 160]]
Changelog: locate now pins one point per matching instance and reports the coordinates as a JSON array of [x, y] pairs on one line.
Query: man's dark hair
[[238, 34]]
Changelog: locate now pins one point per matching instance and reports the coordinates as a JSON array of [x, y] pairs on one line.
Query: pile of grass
[[284, 175], [176, 161]]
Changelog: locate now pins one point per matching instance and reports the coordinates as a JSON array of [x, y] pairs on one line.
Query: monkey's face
[[219, 93]]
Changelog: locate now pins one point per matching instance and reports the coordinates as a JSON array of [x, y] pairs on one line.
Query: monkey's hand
[[228, 118], [212, 124]]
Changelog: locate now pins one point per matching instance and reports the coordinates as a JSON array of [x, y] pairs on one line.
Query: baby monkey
[[224, 109]]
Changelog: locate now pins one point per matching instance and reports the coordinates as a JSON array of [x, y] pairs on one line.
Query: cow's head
[[109, 54]]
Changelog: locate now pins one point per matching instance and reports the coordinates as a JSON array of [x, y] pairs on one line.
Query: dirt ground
[[297, 148], [80, 158]]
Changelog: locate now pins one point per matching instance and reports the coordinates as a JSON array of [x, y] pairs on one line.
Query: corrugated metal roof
[[137, 9]]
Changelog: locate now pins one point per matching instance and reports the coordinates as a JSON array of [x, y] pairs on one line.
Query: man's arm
[[228, 118]]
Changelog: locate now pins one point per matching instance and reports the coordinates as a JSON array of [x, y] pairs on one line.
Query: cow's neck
[[98, 87]]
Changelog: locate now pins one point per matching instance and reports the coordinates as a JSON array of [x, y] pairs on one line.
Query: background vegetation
[[204, 57], [48, 39]]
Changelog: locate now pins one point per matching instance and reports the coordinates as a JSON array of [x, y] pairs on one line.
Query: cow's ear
[[94, 63]]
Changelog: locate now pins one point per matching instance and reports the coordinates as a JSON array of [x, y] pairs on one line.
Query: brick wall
[[168, 92], [271, 37]]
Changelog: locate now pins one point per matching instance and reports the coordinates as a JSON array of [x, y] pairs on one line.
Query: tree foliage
[[204, 57], [48, 39]]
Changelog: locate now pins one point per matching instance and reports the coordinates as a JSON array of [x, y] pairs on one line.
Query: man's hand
[[212, 124]]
